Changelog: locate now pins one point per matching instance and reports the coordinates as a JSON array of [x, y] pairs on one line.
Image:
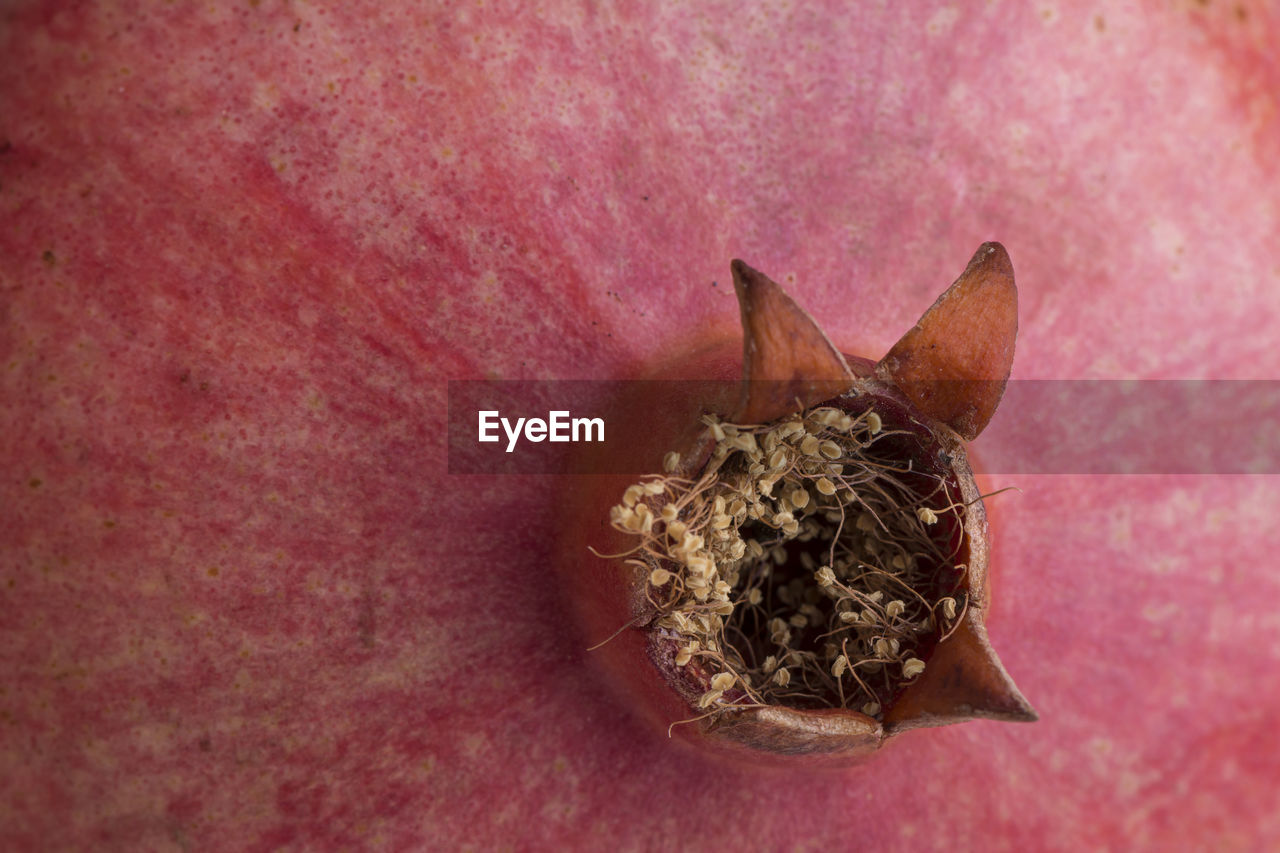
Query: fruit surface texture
[[244, 247]]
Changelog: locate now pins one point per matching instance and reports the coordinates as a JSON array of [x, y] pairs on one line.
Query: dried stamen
[[806, 566]]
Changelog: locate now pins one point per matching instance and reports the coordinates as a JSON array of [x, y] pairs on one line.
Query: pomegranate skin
[[243, 246]]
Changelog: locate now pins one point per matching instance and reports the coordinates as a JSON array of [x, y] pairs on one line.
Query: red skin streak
[[1240, 39]]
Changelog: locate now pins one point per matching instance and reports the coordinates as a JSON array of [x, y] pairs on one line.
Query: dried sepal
[[964, 680], [786, 357], [954, 364]]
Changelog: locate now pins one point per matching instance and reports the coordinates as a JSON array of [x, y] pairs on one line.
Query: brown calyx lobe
[[954, 363]]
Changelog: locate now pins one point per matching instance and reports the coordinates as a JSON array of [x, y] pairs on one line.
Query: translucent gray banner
[[1041, 426]]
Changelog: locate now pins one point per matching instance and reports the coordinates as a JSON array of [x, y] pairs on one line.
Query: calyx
[[809, 576]]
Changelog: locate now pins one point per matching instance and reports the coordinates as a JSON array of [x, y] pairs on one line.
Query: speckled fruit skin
[[243, 246]]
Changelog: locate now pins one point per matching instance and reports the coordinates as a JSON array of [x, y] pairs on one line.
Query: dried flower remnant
[[814, 566], [830, 560]]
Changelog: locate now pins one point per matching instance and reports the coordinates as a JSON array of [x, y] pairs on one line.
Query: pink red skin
[[272, 233]]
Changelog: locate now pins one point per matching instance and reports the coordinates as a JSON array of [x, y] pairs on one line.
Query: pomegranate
[[244, 247]]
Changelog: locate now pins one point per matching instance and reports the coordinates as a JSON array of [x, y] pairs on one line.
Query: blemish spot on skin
[[473, 745], [367, 622], [108, 524], [266, 97], [214, 571], [48, 258], [1167, 239], [488, 289], [1099, 23], [1165, 565], [1049, 15], [1121, 528], [35, 482], [1018, 132], [1160, 612], [941, 21]]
